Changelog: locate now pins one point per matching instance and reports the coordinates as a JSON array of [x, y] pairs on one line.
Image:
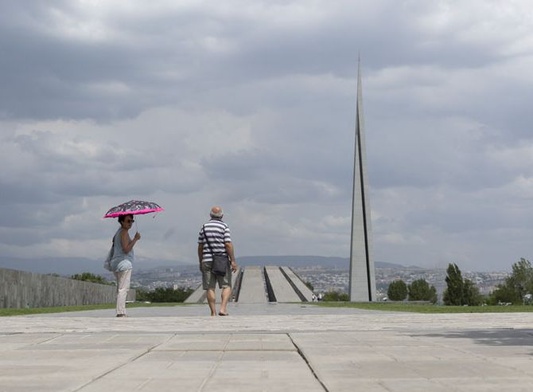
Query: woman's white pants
[[123, 286]]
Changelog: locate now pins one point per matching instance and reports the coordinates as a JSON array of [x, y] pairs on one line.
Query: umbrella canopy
[[133, 207]]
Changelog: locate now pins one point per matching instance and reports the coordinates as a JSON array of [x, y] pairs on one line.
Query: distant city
[[323, 279], [323, 273]]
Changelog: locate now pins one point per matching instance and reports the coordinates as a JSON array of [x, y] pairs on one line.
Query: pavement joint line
[[47, 340], [150, 349], [308, 363], [211, 371]]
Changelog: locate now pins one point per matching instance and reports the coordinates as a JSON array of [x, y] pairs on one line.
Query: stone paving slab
[[266, 348]]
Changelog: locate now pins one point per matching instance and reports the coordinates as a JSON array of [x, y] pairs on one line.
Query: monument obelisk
[[362, 274]]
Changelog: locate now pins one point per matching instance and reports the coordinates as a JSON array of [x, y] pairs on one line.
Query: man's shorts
[[209, 279]]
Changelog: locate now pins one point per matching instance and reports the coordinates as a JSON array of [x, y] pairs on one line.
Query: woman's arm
[[127, 242]]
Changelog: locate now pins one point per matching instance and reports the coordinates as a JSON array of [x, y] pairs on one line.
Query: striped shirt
[[218, 234]]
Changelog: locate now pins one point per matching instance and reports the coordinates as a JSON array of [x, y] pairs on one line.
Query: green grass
[[384, 306], [427, 308], [62, 309]]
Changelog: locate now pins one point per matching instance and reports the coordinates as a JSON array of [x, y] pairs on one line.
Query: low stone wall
[[20, 289]]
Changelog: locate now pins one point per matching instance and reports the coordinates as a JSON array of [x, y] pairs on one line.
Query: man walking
[[214, 237]]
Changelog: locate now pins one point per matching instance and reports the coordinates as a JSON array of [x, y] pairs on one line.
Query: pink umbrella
[[133, 207]]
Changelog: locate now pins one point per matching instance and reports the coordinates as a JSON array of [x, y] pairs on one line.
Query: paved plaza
[[266, 347]]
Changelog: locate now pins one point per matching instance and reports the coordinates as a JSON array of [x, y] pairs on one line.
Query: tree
[[420, 290], [471, 295], [515, 286], [453, 294], [141, 295], [335, 296], [460, 291], [88, 277], [503, 294], [166, 294], [397, 290]]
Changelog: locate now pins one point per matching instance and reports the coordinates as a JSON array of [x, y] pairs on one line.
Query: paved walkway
[[263, 347]]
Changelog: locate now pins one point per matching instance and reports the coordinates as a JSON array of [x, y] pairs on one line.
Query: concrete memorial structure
[[262, 285], [362, 272]]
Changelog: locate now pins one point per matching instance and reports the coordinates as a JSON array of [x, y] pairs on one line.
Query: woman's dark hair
[[122, 217]]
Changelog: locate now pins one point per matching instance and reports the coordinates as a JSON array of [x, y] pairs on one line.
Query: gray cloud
[[252, 106]]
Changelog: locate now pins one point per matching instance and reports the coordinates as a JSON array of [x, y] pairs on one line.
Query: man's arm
[[231, 254]]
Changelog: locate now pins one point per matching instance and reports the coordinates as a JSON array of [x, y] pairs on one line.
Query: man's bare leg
[[226, 293], [211, 301]]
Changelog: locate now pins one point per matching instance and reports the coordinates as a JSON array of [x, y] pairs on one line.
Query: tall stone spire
[[362, 274]]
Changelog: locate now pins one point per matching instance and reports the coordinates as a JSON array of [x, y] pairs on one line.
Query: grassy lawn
[[384, 306], [61, 309], [427, 308]]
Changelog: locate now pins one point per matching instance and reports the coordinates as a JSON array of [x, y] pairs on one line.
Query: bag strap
[[206, 240]]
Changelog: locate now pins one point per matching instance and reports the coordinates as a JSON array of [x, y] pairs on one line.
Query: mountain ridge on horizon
[[66, 266]]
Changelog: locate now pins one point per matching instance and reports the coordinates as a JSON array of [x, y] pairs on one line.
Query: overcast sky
[[251, 105]]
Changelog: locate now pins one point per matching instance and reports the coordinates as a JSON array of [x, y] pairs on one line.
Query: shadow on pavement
[[492, 337]]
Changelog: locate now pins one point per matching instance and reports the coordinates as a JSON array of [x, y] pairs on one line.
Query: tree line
[[419, 290], [516, 289]]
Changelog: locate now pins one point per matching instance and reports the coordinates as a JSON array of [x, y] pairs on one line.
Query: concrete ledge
[[20, 289]]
